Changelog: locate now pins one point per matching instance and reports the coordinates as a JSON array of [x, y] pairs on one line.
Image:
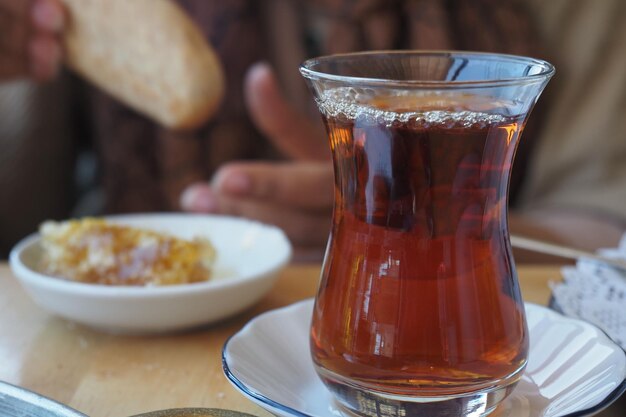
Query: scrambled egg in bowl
[[95, 251]]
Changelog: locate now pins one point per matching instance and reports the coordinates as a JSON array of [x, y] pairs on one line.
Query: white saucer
[[574, 369]]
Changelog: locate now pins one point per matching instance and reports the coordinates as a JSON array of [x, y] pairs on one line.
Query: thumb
[[289, 130]]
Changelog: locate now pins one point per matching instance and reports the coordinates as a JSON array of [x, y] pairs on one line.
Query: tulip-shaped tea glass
[[419, 311]]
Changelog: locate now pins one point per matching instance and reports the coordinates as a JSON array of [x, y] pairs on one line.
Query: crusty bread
[[149, 55]]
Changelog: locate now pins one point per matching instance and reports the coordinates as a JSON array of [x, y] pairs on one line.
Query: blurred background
[[67, 149]]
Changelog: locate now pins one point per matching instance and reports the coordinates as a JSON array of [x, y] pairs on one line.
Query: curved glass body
[[419, 309]]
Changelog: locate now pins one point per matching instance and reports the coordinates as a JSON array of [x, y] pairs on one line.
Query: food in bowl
[[96, 251]]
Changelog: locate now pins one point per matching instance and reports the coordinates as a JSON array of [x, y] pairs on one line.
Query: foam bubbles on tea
[[417, 109]]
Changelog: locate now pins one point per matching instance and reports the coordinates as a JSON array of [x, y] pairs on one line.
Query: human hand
[[29, 39], [297, 195]]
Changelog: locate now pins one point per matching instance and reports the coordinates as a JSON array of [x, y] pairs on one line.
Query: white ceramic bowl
[[249, 257]]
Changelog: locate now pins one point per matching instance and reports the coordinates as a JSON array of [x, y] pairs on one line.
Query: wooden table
[[110, 375]]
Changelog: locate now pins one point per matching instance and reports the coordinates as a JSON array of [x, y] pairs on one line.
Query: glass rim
[[546, 72]]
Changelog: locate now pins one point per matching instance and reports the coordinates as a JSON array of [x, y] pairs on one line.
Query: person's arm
[[29, 39]]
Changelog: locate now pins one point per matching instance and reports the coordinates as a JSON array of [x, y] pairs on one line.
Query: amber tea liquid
[[418, 295]]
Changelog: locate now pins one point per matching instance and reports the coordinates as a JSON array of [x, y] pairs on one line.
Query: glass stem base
[[357, 401]]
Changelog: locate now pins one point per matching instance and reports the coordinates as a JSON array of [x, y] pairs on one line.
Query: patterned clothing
[[145, 167]]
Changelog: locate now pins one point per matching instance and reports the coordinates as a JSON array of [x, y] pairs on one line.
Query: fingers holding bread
[[149, 55]]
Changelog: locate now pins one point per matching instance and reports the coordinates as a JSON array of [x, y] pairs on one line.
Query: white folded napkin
[[596, 293]]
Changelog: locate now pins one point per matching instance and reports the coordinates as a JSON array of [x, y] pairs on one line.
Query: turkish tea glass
[[419, 311]]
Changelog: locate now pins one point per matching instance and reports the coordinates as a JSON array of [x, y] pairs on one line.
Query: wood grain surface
[[107, 375]]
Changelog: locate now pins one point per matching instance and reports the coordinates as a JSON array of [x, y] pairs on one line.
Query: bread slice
[[149, 55]]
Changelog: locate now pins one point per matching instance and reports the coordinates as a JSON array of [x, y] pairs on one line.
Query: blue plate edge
[[253, 394], [613, 395], [605, 403], [610, 399]]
